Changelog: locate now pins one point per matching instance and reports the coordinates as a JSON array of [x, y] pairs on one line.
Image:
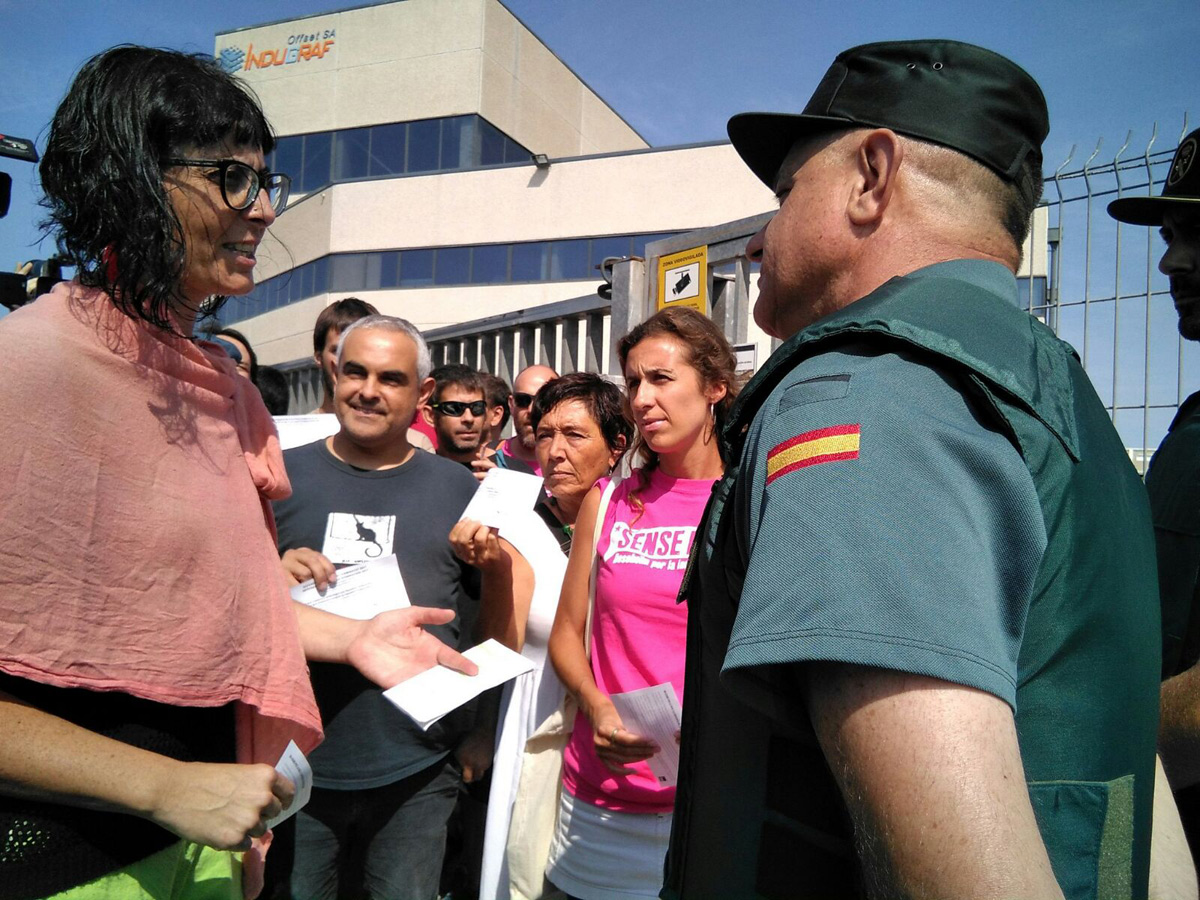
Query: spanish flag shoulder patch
[[820, 446]]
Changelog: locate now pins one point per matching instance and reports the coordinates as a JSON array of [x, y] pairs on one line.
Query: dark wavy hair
[[708, 352], [129, 109], [601, 399], [456, 375]]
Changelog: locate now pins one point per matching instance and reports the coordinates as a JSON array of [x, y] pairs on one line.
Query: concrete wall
[[420, 59]]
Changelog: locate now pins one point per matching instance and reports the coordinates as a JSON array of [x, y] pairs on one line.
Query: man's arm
[[932, 775], [1179, 728], [387, 649]]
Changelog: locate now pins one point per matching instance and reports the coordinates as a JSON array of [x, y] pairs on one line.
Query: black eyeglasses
[[240, 183], [456, 408], [522, 400]]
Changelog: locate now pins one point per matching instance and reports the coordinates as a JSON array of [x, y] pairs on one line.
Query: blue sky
[[677, 69]]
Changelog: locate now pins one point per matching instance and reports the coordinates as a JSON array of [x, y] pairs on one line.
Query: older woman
[[581, 433], [151, 663]]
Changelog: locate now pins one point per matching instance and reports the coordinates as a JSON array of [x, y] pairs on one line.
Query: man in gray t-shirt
[[383, 788]]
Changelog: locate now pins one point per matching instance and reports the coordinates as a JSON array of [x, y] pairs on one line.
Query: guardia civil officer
[[1173, 481], [919, 664]]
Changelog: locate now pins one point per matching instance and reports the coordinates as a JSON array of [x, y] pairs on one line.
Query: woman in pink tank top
[[615, 815]]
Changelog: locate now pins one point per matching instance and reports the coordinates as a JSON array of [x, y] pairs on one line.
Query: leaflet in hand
[[294, 766], [436, 692], [501, 492], [654, 713], [362, 591], [295, 431]]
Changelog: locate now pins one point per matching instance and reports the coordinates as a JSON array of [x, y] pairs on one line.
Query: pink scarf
[[135, 475]]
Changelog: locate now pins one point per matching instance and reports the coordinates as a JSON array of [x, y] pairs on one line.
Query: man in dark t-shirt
[[383, 788]]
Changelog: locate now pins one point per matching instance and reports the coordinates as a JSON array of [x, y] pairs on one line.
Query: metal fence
[[1105, 295]]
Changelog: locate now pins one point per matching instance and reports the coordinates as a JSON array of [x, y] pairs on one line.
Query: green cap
[[1182, 190], [958, 95]]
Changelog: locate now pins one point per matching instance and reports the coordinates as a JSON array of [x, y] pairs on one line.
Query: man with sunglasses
[[458, 412], [517, 452]]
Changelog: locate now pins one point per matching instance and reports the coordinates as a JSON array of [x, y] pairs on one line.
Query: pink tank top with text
[[639, 632]]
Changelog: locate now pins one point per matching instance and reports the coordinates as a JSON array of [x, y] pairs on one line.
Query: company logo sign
[[231, 59], [299, 48]]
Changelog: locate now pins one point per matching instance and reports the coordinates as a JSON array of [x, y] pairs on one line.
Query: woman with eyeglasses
[[614, 816], [152, 664]]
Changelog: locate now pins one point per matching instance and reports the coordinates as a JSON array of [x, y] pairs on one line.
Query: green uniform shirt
[[1173, 482], [928, 483]]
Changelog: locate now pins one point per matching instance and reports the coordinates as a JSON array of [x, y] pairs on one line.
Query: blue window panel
[[350, 151], [452, 265], [416, 268], [374, 267], [530, 262], [514, 152], [489, 264], [387, 149], [306, 280], [568, 260], [348, 272], [491, 144], [424, 145], [608, 246], [287, 157], [317, 151], [389, 269], [320, 275], [457, 138]]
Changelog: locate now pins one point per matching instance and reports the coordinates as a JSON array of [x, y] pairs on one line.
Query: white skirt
[[598, 854]]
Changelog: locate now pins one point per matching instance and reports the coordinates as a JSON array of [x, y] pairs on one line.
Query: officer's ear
[[877, 161]]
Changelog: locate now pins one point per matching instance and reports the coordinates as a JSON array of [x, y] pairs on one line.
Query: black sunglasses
[[456, 408], [240, 183], [522, 400]]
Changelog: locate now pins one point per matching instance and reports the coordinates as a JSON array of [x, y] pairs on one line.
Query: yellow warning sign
[[683, 279]]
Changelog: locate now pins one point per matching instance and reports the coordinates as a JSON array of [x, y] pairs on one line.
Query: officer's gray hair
[[391, 323], [974, 187]]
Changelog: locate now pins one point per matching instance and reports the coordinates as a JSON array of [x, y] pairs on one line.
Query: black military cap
[[1182, 189], [958, 95]]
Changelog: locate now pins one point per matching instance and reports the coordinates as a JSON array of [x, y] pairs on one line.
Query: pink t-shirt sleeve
[[639, 632]]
